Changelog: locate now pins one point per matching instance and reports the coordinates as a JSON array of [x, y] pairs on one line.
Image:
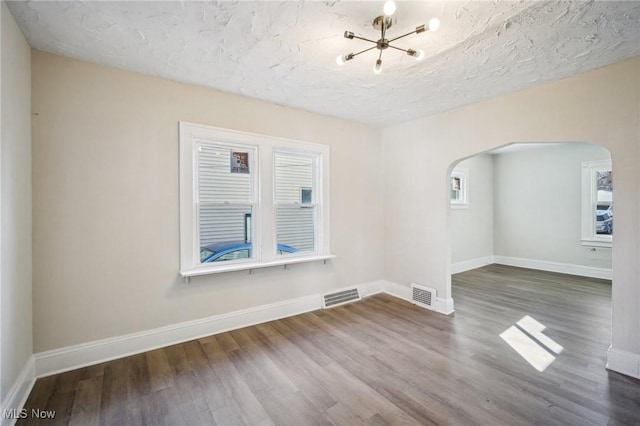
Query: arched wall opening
[[527, 205], [600, 106], [527, 202]]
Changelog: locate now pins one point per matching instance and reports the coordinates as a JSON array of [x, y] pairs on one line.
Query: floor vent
[[341, 297], [423, 296]]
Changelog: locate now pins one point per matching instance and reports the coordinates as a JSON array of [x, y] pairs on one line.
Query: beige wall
[[105, 193], [527, 205], [472, 227], [15, 177], [600, 107], [538, 205]]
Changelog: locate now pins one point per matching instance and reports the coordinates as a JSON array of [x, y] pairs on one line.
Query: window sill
[[596, 243], [459, 206], [244, 266]]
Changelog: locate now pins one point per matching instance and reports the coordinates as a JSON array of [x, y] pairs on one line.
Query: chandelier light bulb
[[389, 7], [340, 60], [434, 24], [377, 68], [419, 55]]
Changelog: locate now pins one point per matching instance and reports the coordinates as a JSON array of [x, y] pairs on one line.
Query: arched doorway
[[530, 207]]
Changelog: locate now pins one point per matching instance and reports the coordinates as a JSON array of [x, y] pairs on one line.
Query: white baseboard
[[623, 362], [371, 288], [444, 306], [441, 305], [90, 353], [563, 268], [400, 291], [85, 354], [18, 394], [467, 265]]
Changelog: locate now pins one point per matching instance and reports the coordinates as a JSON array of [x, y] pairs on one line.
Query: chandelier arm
[[365, 50], [397, 48], [380, 55], [365, 39], [407, 34]]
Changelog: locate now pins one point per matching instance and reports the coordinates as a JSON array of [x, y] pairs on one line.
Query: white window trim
[[463, 174], [589, 236], [264, 232]]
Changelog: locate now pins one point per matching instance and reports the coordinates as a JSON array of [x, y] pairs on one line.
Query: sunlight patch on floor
[[526, 339]]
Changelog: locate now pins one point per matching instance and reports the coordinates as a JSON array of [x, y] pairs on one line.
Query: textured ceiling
[[284, 52]]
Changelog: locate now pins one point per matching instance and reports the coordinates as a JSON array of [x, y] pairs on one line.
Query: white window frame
[[263, 215], [316, 194], [589, 236], [463, 175]]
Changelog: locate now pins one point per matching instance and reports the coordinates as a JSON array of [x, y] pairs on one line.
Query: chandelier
[[383, 23]]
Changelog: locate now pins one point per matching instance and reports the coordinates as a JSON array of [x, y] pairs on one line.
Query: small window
[[604, 203], [306, 195], [597, 203], [459, 188]]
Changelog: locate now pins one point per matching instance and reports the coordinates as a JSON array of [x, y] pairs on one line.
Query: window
[[249, 201], [305, 195], [296, 210], [458, 190], [597, 203], [226, 197]]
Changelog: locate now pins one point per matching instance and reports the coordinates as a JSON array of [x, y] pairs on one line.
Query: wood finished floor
[[379, 361]]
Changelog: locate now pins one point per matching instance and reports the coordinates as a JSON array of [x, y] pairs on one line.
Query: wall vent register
[[341, 297], [423, 296]]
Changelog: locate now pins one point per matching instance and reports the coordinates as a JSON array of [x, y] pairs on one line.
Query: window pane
[[306, 196], [294, 178], [295, 209], [224, 228], [234, 255], [457, 193], [604, 203], [223, 175], [295, 227], [455, 183]]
